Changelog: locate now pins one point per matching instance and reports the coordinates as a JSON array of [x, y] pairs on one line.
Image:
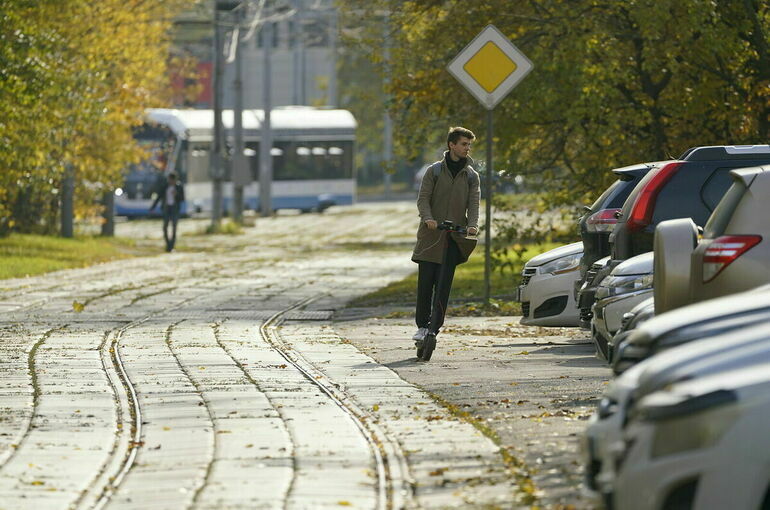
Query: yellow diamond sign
[[490, 66]]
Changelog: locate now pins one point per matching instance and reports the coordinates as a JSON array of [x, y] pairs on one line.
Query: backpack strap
[[436, 169]]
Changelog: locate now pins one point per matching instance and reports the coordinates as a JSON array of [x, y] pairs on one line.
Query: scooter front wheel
[[428, 346]]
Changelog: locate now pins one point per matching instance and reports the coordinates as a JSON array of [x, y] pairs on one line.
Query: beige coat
[[446, 198]]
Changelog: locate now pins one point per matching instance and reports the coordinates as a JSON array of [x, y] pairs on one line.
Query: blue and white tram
[[313, 161]]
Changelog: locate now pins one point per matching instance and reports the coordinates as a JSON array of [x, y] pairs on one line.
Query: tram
[[312, 154]]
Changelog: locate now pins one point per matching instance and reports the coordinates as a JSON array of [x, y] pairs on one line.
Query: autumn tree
[[75, 77], [614, 83]]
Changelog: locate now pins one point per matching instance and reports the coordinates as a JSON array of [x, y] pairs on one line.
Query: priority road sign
[[490, 66]]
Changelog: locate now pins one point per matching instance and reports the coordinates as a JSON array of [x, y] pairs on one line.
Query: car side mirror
[[618, 214]]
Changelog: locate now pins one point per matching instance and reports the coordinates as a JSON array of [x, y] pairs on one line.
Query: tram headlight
[[119, 192]]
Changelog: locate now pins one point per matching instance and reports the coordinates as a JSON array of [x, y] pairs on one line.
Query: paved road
[[216, 378]]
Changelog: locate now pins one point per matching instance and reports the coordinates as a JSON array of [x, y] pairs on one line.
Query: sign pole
[[488, 195], [489, 67]]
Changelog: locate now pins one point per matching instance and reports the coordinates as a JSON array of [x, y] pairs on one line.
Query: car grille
[[586, 314], [527, 275], [525, 309]]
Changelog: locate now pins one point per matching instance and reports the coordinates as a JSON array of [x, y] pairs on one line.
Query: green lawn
[[468, 282], [28, 255]]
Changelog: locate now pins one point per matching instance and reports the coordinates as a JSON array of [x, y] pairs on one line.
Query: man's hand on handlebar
[[431, 224], [472, 231]]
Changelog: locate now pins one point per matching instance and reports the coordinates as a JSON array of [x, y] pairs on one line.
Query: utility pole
[[266, 135], [387, 135], [108, 227], [217, 167], [298, 90], [241, 174], [68, 202], [332, 92]]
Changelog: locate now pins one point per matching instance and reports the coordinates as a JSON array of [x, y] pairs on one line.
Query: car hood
[[704, 311], [641, 264], [556, 253], [732, 385], [711, 355]]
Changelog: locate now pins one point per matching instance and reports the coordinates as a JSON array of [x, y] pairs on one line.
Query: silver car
[[629, 283], [546, 290], [718, 349], [733, 254]]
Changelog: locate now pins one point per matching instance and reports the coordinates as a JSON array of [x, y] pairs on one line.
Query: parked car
[[546, 287], [733, 254], [692, 322], [627, 285], [596, 225], [600, 218], [689, 187], [699, 444], [603, 440], [638, 315], [586, 295]]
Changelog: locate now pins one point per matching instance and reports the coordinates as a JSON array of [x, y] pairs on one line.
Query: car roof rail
[[727, 152]]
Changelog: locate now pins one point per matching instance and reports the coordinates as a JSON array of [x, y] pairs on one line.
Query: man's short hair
[[455, 133]]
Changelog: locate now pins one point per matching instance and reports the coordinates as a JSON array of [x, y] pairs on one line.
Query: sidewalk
[[533, 388]]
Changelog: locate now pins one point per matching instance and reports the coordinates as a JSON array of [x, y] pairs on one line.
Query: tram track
[[395, 490], [33, 381], [392, 474], [129, 430]]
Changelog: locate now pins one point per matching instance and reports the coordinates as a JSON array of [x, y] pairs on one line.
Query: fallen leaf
[[78, 307]]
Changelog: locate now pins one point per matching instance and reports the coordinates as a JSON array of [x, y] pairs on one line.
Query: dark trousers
[[170, 215], [434, 281]]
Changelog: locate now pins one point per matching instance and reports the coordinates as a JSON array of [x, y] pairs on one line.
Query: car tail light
[[602, 221], [723, 251], [644, 205]]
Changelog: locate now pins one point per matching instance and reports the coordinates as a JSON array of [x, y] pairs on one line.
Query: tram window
[[198, 163]]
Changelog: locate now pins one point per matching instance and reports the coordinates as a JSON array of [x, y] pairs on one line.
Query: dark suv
[[688, 187], [600, 218]]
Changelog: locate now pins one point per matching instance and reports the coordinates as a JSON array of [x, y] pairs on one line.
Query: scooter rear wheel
[[428, 346]]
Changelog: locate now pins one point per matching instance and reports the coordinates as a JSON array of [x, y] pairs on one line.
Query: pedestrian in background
[[449, 191], [170, 195]]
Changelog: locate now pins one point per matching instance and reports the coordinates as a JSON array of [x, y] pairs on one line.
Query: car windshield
[[614, 196], [719, 219]]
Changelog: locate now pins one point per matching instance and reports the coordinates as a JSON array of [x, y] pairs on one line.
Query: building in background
[[303, 56]]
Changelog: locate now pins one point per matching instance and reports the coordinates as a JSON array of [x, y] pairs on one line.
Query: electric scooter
[[426, 347]]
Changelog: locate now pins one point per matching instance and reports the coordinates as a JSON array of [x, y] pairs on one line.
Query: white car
[[547, 286], [629, 283], [603, 441], [699, 444]]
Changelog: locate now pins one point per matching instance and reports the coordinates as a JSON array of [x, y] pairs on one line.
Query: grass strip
[[468, 284], [29, 255]]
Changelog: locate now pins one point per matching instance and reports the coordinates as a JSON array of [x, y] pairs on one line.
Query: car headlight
[[617, 285], [562, 265], [688, 424]]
